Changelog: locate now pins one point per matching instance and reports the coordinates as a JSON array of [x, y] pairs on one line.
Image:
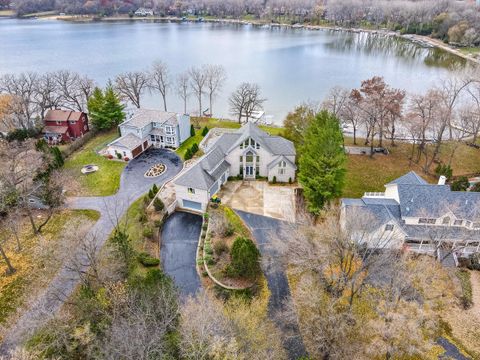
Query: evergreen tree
[[192, 130], [188, 154], [105, 109], [205, 131], [322, 161], [245, 258], [113, 108]]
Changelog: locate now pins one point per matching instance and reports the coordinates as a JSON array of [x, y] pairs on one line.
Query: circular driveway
[[133, 176]]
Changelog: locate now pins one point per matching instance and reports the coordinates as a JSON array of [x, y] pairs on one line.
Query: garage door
[[137, 151], [192, 205]]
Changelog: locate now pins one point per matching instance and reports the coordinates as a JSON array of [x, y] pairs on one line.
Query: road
[[266, 230], [133, 184]]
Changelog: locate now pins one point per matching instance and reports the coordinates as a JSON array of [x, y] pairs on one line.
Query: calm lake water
[[290, 65]]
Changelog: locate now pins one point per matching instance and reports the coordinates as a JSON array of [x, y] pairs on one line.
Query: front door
[[249, 171]]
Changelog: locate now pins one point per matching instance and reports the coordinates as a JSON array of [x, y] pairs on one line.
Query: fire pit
[[88, 169], [156, 170]]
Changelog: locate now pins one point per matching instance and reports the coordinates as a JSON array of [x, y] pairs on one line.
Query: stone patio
[[260, 197]]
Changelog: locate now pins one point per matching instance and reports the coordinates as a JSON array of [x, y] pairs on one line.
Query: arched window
[[282, 164]]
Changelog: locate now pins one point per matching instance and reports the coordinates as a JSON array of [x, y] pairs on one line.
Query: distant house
[[147, 128], [144, 12], [248, 153], [64, 125], [418, 216]]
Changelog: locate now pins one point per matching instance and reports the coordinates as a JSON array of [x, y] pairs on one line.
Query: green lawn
[[188, 143], [371, 174], [470, 50], [106, 180]]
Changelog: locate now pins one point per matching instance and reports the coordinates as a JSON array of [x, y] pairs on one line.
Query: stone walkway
[[133, 184]]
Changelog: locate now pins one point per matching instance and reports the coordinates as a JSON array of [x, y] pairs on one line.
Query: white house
[[144, 12], [416, 215], [248, 153], [147, 128]]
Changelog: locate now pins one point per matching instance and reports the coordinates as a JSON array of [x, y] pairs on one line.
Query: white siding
[[200, 196], [184, 127]]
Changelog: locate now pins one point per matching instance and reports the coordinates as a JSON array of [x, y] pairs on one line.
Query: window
[[240, 170], [191, 190], [249, 158], [258, 146], [282, 164], [258, 159], [281, 171], [152, 137], [257, 170], [169, 130], [252, 142], [72, 122], [469, 223], [446, 220], [241, 158], [458, 222], [124, 153], [59, 122], [170, 140], [427, 221], [389, 227]]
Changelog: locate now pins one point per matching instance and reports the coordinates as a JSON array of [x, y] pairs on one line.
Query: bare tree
[[336, 100], [216, 76], [245, 100], [73, 89], [183, 88], [160, 80], [131, 85], [198, 82], [22, 90], [3, 254]]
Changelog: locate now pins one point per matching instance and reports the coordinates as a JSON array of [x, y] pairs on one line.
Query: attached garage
[[193, 205], [137, 151]]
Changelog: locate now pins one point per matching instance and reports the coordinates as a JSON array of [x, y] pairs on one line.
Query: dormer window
[[446, 221], [282, 164], [191, 190], [427, 221], [458, 223], [389, 227]]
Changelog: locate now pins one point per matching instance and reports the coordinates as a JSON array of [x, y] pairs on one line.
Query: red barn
[[64, 125]]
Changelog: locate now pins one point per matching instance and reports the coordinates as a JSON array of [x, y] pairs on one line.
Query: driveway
[[266, 231], [132, 185], [261, 198], [179, 239]]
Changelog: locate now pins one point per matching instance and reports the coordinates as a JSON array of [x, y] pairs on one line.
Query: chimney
[[442, 180]]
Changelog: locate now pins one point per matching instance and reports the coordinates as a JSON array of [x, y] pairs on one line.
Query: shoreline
[[420, 40]]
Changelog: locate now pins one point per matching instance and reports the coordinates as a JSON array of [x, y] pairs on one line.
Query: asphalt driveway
[[179, 239], [265, 230]]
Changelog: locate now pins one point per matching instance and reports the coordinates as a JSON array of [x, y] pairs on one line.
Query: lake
[[290, 65]]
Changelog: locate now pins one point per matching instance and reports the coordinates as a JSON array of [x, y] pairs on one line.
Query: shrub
[[146, 200], [157, 223], [194, 148], [119, 156], [158, 204], [206, 216], [188, 154], [142, 218], [155, 188], [110, 156], [21, 134], [147, 260], [461, 184], [445, 170], [466, 284], [208, 248], [151, 195], [192, 130], [244, 258], [274, 180], [126, 158], [204, 131], [204, 227], [148, 232], [220, 246], [289, 180]]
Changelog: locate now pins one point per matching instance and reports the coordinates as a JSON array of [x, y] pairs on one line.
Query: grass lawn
[[470, 50], [39, 259], [367, 174], [106, 180], [188, 143]]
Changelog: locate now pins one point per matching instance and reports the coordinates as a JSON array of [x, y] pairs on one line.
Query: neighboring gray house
[[144, 12], [418, 216], [249, 152], [147, 128]]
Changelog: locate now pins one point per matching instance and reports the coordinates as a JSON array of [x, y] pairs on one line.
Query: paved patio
[[261, 198]]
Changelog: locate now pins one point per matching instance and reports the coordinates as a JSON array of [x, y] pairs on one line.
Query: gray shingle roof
[[409, 178], [280, 158], [143, 117], [205, 172], [129, 141]]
